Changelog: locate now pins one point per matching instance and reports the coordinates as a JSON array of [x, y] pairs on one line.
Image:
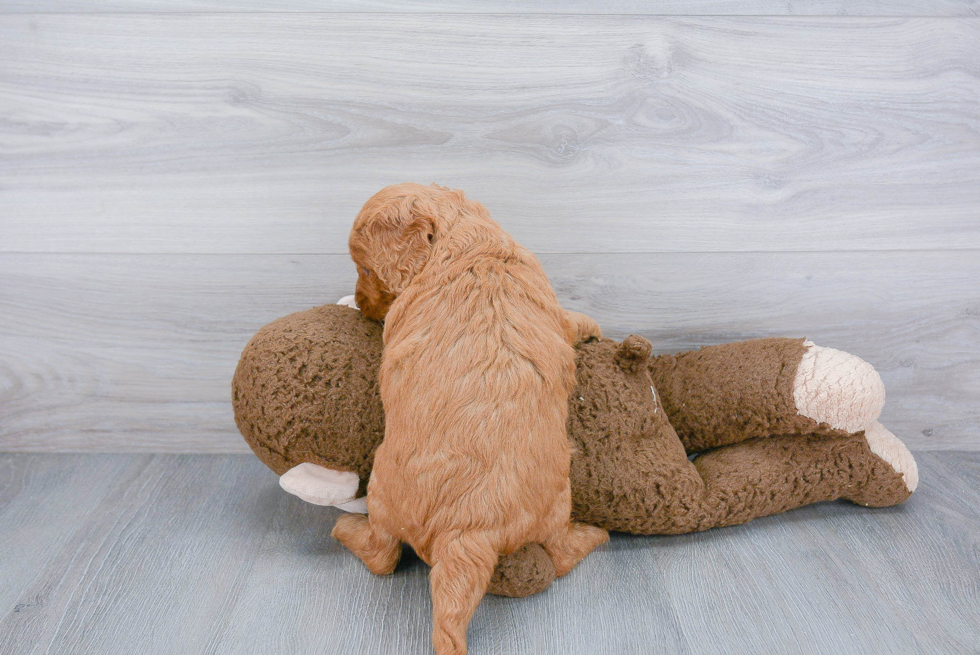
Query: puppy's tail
[[462, 564]]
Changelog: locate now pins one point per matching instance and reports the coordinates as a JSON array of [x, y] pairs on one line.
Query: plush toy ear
[[633, 353], [402, 234]]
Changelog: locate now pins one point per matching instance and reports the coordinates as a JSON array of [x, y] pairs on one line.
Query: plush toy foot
[[837, 388], [321, 486], [888, 447], [891, 472]]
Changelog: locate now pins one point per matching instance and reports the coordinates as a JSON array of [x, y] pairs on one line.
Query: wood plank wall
[[175, 175]]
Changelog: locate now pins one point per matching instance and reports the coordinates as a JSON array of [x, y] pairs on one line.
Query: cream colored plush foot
[[887, 446], [320, 485], [837, 388]]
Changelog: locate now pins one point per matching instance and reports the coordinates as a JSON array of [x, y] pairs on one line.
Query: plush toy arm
[[721, 395]]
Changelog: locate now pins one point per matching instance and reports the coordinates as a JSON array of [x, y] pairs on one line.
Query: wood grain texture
[[71, 493], [266, 132], [136, 352], [152, 567], [206, 554], [904, 556], [662, 8]]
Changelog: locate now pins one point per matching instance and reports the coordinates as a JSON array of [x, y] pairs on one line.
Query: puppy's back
[[475, 383]]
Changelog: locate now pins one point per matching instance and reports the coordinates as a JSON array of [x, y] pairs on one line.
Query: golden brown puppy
[[475, 377]]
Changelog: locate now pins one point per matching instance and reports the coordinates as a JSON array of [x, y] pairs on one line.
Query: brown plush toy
[[774, 423]]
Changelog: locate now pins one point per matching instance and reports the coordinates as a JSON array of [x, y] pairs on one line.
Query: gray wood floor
[[205, 554]]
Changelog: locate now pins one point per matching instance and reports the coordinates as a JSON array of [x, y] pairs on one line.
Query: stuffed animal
[[661, 445]]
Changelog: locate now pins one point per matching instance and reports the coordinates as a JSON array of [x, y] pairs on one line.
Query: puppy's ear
[[402, 234]]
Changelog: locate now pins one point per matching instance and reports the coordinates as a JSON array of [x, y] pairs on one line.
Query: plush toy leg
[[378, 550], [762, 477], [721, 395], [648, 486], [889, 448], [767, 476]]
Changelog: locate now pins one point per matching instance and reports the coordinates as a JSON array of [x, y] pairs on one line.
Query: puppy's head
[[392, 239]]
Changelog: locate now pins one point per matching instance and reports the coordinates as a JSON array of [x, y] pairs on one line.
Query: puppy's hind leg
[[378, 550], [572, 543], [462, 565]]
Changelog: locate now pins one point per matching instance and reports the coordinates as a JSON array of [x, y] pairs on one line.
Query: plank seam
[[78, 253], [478, 14]]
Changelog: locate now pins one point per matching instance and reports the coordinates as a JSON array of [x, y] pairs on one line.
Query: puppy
[[475, 378]]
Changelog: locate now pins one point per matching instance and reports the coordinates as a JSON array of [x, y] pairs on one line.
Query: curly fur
[[475, 378]]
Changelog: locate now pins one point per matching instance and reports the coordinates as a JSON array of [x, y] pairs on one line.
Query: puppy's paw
[[582, 327]]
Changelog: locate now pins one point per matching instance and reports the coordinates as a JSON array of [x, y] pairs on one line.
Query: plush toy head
[[305, 393], [306, 390]]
